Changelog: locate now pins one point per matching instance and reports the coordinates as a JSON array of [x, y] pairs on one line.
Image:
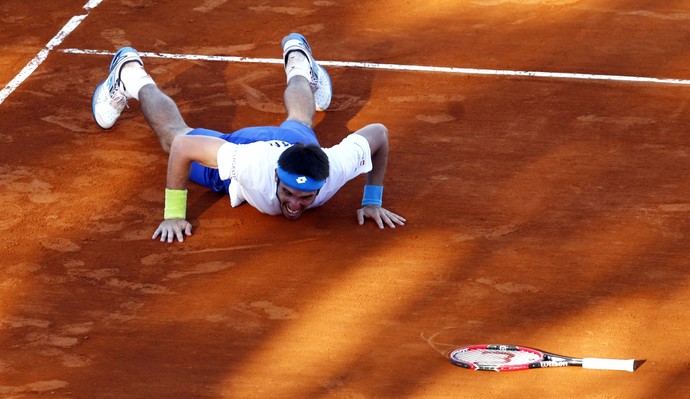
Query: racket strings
[[495, 357]]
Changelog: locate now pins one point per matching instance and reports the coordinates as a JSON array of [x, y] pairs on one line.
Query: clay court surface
[[542, 211]]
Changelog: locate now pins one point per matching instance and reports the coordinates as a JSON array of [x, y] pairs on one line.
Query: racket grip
[[608, 364]]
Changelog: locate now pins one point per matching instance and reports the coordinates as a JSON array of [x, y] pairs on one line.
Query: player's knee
[[167, 136], [380, 131]]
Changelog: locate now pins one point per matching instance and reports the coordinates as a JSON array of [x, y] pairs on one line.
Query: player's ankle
[[134, 77]]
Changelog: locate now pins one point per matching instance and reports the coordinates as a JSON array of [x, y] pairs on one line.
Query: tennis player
[[276, 169]]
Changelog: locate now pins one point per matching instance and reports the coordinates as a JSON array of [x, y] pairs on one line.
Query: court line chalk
[[414, 68], [43, 54]]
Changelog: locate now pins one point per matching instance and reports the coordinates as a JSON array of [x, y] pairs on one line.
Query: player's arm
[[183, 151], [377, 136]]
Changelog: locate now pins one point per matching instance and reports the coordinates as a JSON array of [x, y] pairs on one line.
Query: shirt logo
[[278, 143]]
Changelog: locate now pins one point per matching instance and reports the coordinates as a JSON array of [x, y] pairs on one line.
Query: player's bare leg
[[298, 96], [158, 108], [162, 114], [309, 85]]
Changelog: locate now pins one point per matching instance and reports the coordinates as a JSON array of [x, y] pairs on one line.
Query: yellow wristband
[[175, 204]]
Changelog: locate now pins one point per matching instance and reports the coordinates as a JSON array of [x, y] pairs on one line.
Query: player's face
[[293, 202]]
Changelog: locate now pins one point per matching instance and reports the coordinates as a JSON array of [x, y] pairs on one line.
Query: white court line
[[398, 67], [43, 54]]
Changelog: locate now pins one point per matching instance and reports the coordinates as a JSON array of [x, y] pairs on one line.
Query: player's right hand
[[171, 228]]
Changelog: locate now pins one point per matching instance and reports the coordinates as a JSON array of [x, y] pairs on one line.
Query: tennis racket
[[514, 358]]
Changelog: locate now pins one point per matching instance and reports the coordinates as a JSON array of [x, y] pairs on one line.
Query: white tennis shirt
[[252, 170]]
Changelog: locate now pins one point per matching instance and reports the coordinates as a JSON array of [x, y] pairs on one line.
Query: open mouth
[[290, 214]]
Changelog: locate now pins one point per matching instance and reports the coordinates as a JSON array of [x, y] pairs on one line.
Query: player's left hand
[[380, 216]]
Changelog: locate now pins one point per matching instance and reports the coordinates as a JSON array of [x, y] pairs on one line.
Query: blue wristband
[[373, 195]]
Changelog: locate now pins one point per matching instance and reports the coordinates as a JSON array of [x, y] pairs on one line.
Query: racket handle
[[608, 364]]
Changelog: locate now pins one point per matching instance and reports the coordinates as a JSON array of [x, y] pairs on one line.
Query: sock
[[134, 78], [297, 65]]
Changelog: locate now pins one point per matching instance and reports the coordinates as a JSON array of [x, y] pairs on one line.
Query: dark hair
[[305, 159]]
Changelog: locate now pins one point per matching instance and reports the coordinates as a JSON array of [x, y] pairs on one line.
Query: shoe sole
[[93, 107], [324, 73]]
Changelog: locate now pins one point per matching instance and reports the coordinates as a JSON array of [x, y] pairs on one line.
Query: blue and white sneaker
[[320, 81], [110, 97]]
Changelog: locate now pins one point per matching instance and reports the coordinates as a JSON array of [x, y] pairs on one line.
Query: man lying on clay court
[[276, 169]]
